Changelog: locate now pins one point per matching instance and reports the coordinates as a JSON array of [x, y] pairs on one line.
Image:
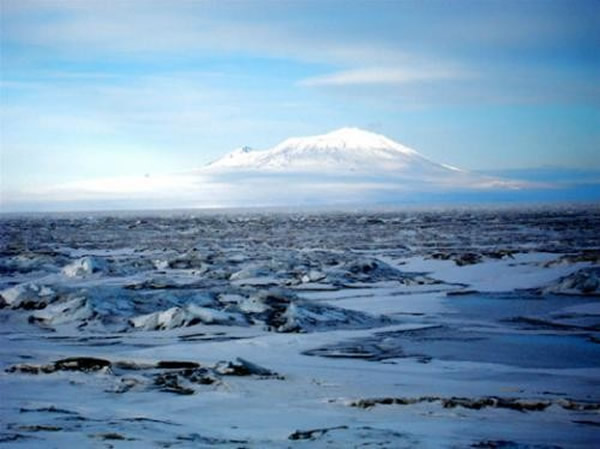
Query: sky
[[95, 89]]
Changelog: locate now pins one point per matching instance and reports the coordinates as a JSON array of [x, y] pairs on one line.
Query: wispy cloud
[[144, 30], [384, 75]]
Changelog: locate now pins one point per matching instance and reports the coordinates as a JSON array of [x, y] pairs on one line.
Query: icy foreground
[[448, 329]]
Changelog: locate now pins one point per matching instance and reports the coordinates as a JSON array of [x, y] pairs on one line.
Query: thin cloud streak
[[384, 75], [132, 29]]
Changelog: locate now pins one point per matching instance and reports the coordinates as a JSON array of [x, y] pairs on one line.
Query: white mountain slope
[[351, 152], [346, 149], [238, 157]]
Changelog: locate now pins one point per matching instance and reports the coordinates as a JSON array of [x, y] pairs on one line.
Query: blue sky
[[99, 89]]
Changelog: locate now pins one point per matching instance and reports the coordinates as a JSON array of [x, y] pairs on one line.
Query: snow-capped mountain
[[236, 158], [342, 151], [346, 166], [357, 156]]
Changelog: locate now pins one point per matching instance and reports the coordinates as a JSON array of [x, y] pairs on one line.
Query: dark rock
[[496, 402], [569, 404], [242, 368], [33, 305], [168, 364], [462, 292], [199, 376], [51, 409], [468, 259], [517, 404], [314, 433], [506, 444], [112, 436], [171, 383], [369, 403], [197, 438], [149, 420], [85, 364], [500, 254], [40, 428]]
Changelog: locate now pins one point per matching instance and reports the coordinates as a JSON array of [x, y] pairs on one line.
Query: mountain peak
[[368, 158], [342, 150], [238, 156], [350, 137], [352, 132], [345, 139]]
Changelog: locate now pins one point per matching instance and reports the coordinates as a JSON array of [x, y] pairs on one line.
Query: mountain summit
[[343, 151], [347, 160]]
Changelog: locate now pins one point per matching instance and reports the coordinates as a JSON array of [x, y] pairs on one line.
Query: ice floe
[[84, 267]]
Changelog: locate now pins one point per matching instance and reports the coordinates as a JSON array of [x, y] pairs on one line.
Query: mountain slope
[[238, 157], [356, 156], [342, 151]]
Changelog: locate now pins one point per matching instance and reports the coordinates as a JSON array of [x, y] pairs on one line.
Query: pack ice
[[439, 328]]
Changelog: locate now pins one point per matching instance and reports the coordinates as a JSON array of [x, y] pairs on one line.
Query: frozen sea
[[440, 328]]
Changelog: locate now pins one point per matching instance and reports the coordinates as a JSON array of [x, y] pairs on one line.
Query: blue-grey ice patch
[[27, 296], [585, 281]]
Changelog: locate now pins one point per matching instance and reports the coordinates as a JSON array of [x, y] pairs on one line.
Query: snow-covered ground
[[434, 329]]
